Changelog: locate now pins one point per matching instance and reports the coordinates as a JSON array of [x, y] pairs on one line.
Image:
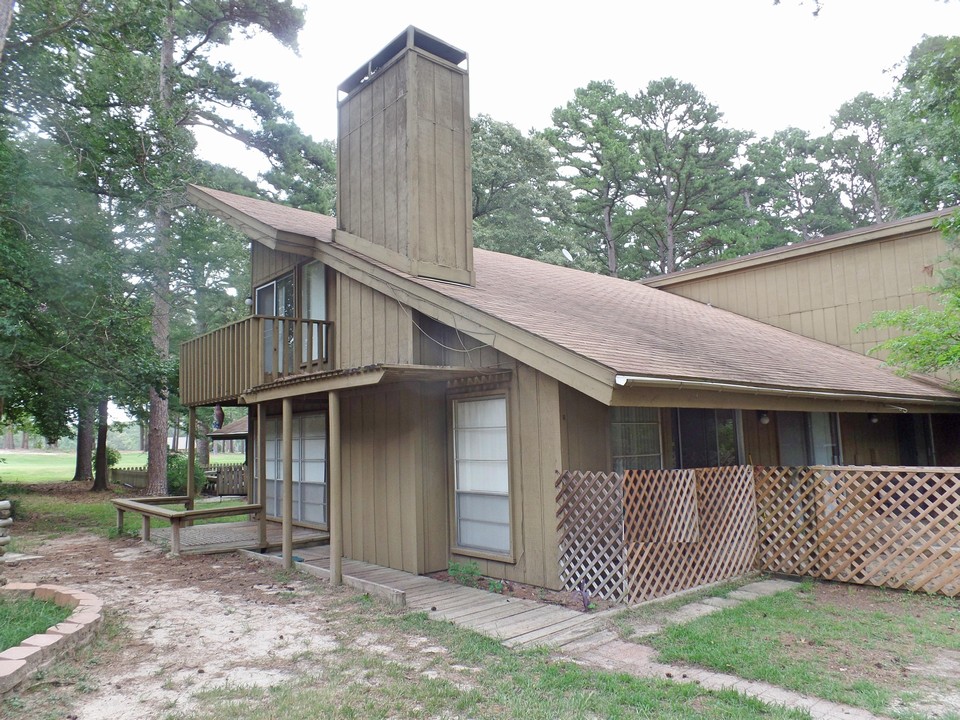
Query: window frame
[[455, 547]]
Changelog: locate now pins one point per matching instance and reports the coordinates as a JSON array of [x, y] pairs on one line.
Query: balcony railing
[[219, 366]]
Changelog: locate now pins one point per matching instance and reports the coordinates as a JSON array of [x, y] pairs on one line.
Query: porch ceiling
[[361, 377]]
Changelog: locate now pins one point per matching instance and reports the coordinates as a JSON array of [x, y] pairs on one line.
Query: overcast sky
[[765, 67]]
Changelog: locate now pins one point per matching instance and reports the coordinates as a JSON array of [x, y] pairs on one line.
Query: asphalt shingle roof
[[633, 329]]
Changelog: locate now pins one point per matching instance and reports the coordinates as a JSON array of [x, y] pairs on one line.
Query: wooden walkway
[[211, 538], [515, 622]]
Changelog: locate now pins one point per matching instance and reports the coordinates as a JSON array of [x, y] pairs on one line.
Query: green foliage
[[495, 586], [113, 456], [930, 339], [22, 617], [465, 573], [177, 466]]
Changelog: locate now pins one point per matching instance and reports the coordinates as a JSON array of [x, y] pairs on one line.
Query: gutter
[[676, 384]]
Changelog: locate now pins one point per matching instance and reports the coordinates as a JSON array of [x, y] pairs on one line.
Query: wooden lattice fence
[[590, 528], [686, 528], [654, 532], [884, 526]]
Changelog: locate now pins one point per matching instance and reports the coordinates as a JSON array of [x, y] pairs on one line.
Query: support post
[[145, 529], [119, 521], [191, 457], [334, 508], [287, 483], [248, 457], [261, 437]]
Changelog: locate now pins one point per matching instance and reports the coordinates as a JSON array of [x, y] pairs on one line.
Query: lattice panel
[[686, 528], [884, 526], [590, 526]]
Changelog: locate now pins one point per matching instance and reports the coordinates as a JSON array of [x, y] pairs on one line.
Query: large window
[[482, 478], [309, 468], [808, 438], [706, 438], [635, 438]]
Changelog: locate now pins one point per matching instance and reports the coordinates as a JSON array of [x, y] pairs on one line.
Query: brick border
[[37, 651]]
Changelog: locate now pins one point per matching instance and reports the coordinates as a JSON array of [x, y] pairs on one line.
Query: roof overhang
[[256, 230]]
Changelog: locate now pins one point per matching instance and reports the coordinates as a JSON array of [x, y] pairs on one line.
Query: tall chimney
[[403, 159]]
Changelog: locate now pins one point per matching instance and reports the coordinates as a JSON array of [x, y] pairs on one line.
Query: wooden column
[[334, 499], [191, 456], [287, 483], [248, 456], [261, 440]]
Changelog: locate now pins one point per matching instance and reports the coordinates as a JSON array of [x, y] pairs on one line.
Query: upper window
[[635, 438], [482, 478]]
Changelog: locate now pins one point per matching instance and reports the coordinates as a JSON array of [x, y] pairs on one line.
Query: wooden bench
[[148, 508]]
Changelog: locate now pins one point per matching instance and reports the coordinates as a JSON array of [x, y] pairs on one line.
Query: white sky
[[765, 67]]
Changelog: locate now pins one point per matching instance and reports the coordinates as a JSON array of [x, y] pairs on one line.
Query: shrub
[[177, 464], [113, 456]]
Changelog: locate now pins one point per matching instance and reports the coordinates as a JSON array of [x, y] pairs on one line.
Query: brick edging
[[20, 662]]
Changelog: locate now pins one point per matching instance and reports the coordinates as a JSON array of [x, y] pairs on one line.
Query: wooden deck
[[226, 536], [515, 622]]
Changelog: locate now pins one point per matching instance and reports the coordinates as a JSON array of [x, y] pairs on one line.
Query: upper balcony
[[223, 364]]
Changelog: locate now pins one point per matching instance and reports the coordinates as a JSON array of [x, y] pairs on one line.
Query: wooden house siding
[[267, 264], [404, 167], [371, 327], [394, 468], [826, 295]]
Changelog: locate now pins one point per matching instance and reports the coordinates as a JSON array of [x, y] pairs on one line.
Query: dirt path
[[188, 624]]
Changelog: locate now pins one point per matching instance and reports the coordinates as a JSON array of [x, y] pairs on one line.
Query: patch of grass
[[464, 573], [21, 617], [89, 512], [490, 681], [829, 650], [53, 693]]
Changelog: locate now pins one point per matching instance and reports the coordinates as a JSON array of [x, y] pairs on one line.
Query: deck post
[[191, 456], [336, 531], [119, 521], [174, 536], [145, 529], [248, 457], [287, 483], [261, 439]]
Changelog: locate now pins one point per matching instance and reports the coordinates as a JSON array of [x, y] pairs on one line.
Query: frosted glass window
[[309, 468], [482, 474]]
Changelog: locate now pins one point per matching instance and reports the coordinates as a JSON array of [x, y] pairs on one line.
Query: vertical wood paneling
[[382, 437], [827, 295]]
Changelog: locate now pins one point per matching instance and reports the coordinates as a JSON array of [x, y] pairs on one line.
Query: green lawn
[[861, 646], [53, 466]]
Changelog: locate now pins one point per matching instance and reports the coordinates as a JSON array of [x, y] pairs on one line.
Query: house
[[418, 396]]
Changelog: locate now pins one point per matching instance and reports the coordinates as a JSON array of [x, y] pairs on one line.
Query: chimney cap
[[412, 37]]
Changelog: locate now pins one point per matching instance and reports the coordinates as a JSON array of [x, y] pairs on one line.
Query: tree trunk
[[25, 441], [160, 320], [608, 235], [9, 442], [143, 436], [85, 420], [6, 17], [103, 424], [203, 443]]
